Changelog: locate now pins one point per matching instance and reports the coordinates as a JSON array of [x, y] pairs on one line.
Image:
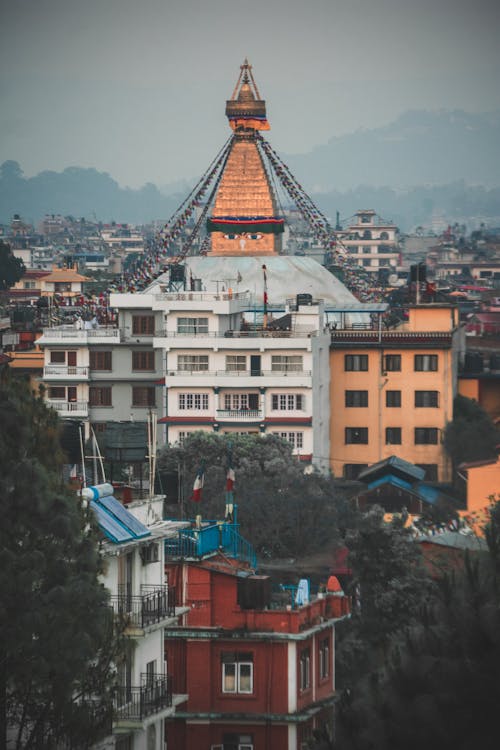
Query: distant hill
[[422, 164], [419, 148]]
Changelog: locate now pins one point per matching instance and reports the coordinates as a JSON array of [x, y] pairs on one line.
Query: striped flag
[[198, 484], [230, 479]]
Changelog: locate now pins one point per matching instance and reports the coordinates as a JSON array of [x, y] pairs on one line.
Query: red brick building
[[259, 673]]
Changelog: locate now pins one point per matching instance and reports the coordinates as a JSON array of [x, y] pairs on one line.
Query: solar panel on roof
[[126, 518], [111, 527]]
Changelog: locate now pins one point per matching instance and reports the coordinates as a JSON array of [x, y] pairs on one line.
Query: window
[[384, 235], [182, 437], [192, 326], [305, 669], [366, 248], [58, 357], [236, 363], [241, 401], [143, 395], [427, 398], [356, 398], [324, 658], [356, 362], [296, 439], [193, 401], [367, 262], [144, 360], [237, 672], [426, 436], [57, 392], [426, 362], [393, 398], [286, 363], [356, 435], [100, 395], [192, 362], [287, 401], [143, 325], [431, 472], [100, 360], [392, 362], [352, 471], [393, 435]]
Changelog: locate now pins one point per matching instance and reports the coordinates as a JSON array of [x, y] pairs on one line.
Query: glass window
[[324, 658], [305, 669], [296, 439], [426, 362], [192, 362], [143, 395], [287, 401], [356, 398], [237, 672], [57, 392], [192, 326], [196, 401], [143, 325], [286, 363], [356, 362], [393, 398], [100, 395], [356, 435], [392, 362], [236, 363], [393, 435], [101, 360], [143, 360], [58, 357], [427, 398], [426, 436]]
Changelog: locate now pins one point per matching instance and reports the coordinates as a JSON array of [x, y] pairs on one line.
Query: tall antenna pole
[[264, 321]]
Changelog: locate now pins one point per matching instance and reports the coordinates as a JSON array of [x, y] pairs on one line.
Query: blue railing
[[213, 537]]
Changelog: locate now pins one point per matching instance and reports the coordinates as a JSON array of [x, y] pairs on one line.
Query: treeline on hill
[[78, 191]]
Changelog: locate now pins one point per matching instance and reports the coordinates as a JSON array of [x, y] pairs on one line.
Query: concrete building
[[372, 242], [391, 392]]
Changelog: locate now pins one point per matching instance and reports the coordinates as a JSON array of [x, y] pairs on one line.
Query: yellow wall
[[377, 416], [482, 482]]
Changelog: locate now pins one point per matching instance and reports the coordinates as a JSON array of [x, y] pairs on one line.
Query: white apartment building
[[372, 242], [202, 362], [144, 603]]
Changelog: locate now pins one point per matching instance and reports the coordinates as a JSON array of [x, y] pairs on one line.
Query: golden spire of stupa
[[244, 218]]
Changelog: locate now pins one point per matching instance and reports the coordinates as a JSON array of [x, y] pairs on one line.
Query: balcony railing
[[75, 408], [240, 414], [252, 334], [154, 604], [239, 373], [66, 333], [201, 296], [152, 697], [62, 371]]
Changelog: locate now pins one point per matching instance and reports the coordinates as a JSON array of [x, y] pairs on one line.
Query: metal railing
[[70, 332], [240, 414], [240, 373], [201, 296], [230, 333], [151, 697], [154, 604], [70, 407], [199, 542], [62, 371]]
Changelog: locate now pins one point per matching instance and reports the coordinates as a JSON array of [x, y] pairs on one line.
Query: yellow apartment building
[[392, 390]]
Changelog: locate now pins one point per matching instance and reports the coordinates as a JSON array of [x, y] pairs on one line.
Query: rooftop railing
[[240, 373], [210, 538]]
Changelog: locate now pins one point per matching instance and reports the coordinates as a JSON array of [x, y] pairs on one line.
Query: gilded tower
[[244, 217]]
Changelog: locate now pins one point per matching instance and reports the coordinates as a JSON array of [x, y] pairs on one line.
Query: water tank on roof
[[177, 272]]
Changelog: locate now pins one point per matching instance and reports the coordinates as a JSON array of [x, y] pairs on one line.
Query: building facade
[[372, 242]]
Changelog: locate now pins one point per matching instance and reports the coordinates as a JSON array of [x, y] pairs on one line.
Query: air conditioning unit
[[149, 554]]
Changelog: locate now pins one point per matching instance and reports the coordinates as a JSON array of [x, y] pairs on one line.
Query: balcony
[[239, 373], [70, 408], [134, 704], [240, 415], [62, 372], [152, 606], [72, 335]]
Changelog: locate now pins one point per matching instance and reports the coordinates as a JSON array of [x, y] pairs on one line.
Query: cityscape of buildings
[[251, 328]]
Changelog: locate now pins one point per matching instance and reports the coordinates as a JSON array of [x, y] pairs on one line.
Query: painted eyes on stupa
[[244, 236]]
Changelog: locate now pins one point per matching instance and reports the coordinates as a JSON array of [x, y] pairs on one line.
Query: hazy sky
[[137, 88]]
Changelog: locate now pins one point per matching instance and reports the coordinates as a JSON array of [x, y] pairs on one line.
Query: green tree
[[472, 435], [282, 511], [389, 585], [57, 645], [11, 268]]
